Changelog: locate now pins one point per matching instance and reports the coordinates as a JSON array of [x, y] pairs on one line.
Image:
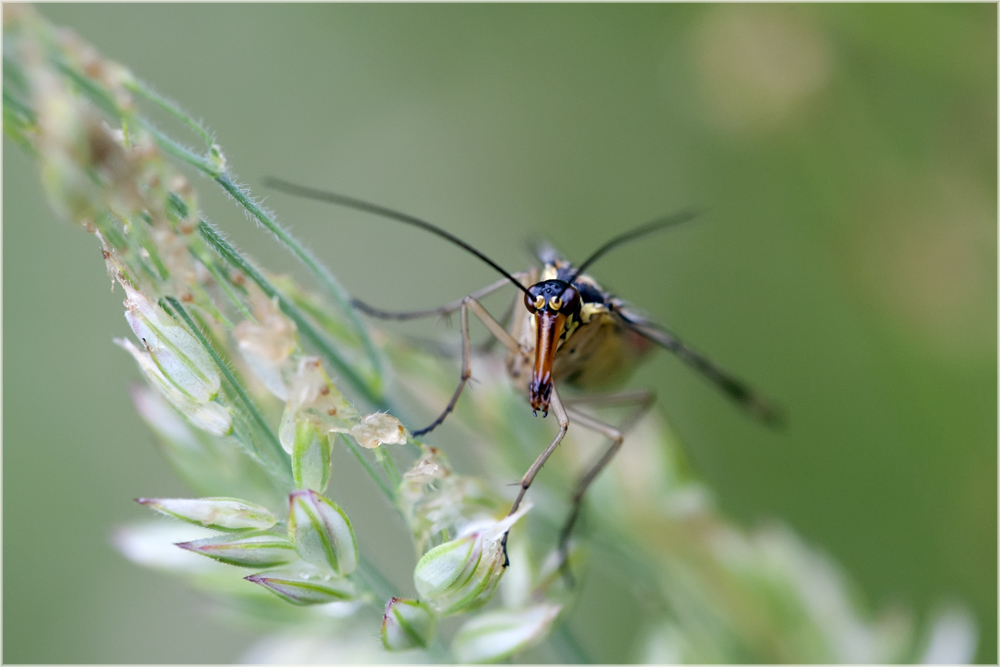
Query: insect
[[569, 331]]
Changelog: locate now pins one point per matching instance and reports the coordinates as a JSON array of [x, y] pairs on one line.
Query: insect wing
[[734, 388]]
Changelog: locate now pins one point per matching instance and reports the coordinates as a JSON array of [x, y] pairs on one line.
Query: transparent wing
[[737, 390]]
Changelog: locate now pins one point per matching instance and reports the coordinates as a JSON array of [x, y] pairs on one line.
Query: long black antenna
[[351, 202], [642, 230]]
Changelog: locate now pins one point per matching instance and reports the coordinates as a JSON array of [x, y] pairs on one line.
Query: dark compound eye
[[569, 301], [554, 296], [533, 302]]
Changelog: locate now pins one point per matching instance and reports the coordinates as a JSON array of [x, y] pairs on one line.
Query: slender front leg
[[643, 400], [463, 379], [494, 327], [529, 477], [487, 345], [446, 309]]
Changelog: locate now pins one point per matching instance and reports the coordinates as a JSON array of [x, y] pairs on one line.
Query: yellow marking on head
[[550, 272], [555, 303], [539, 302]]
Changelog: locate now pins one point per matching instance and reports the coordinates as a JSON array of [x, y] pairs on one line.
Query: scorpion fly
[[569, 331]]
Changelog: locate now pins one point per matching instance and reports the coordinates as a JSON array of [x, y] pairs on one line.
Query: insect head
[[553, 304]]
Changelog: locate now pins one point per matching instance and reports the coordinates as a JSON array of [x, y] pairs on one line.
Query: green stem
[[328, 322], [278, 452], [323, 274], [374, 579], [371, 471], [89, 87], [106, 102], [389, 466], [12, 103], [228, 253], [212, 169], [224, 285], [141, 88], [152, 254], [204, 301], [180, 152]]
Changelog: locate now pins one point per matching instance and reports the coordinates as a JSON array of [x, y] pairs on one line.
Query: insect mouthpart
[[553, 303], [549, 330]]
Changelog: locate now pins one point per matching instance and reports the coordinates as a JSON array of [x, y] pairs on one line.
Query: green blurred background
[[846, 158]]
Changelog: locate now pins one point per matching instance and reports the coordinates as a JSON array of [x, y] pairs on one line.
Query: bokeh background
[[846, 158]]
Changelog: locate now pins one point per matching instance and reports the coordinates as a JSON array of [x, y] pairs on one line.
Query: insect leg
[[494, 327], [642, 399], [467, 304], [463, 380], [504, 320], [446, 309], [517, 315], [529, 476]]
